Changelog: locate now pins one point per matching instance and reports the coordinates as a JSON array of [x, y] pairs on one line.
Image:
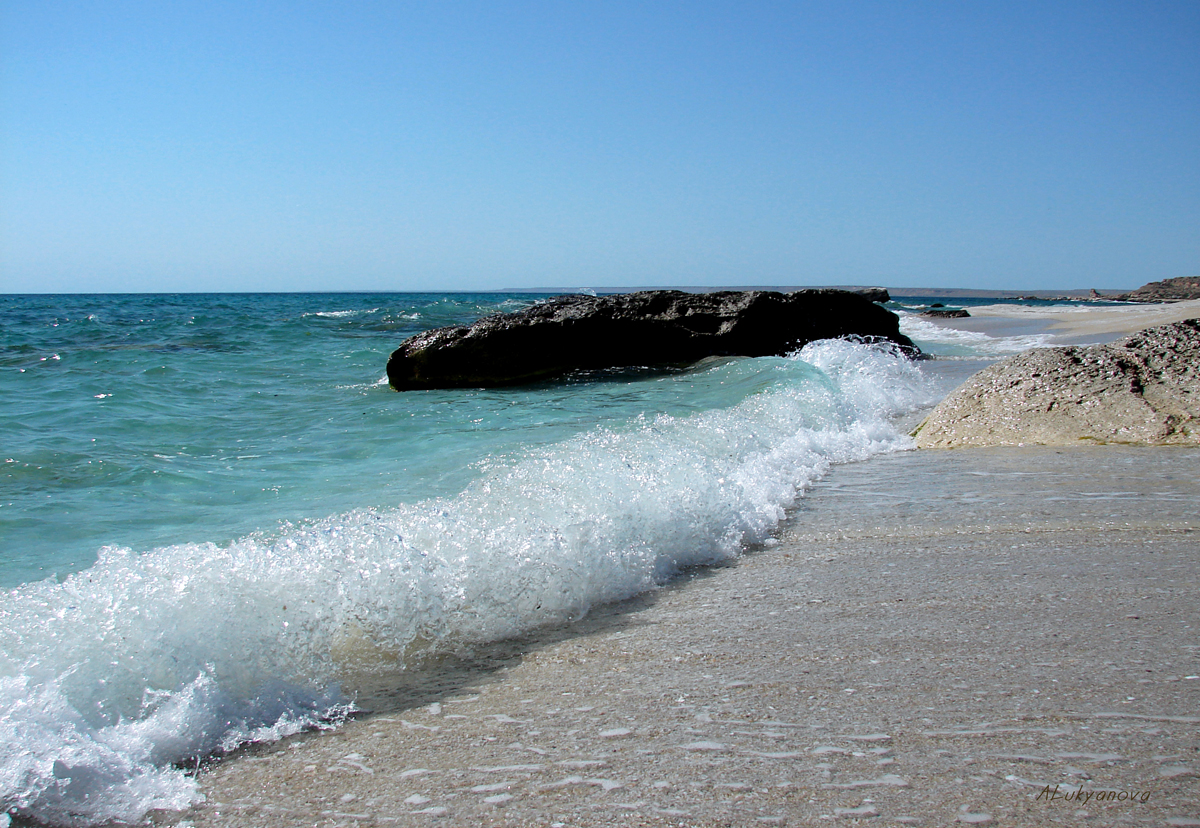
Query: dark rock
[[954, 313], [648, 328], [875, 294], [1178, 289]]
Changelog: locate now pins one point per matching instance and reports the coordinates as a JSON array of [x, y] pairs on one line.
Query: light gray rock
[[1142, 389]]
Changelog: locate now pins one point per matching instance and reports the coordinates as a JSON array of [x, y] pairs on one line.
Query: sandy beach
[[979, 636], [1083, 323]]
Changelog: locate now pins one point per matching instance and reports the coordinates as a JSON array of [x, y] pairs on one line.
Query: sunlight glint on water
[[275, 522]]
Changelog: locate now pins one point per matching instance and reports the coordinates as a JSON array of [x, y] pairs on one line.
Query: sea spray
[[950, 343], [143, 661]]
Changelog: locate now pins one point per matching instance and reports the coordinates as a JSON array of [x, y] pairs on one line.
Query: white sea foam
[[954, 342], [114, 676], [342, 314]]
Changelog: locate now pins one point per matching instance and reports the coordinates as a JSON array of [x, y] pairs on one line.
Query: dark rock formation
[[1168, 290], [1142, 389], [875, 294], [649, 328], [955, 313]]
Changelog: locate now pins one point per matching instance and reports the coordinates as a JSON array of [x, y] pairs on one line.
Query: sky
[[269, 146]]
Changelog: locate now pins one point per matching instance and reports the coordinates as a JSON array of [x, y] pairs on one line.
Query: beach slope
[[933, 640]]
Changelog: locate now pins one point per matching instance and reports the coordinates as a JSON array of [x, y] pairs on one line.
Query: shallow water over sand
[[947, 491], [955, 501], [936, 637]]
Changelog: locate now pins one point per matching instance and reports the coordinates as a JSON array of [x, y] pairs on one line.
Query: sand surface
[[937, 638], [1081, 323]]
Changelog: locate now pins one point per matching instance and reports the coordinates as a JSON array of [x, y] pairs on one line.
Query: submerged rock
[[947, 313], [648, 328], [1142, 389]]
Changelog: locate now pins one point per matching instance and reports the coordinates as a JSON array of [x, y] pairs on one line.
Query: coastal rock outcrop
[[875, 294], [1143, 389], [1178, 289], [647, 328]]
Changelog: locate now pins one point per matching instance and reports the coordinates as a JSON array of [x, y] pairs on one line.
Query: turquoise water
[[216, 517], [142, 421], [146, 420]]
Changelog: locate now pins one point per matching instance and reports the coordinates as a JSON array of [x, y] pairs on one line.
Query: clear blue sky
[[456, 145]]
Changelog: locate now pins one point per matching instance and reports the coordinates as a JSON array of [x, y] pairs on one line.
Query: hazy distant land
[[949, 293]]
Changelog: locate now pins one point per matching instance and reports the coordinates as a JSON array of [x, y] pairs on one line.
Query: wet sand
[[1083, 323], [976, 636], [1021, 627]]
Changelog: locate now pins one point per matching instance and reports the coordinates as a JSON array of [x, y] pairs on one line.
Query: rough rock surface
[[661, 327], [939, 313], [1168, 290], [1142, 389], [875, 294]]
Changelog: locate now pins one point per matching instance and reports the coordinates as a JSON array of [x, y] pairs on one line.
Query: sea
[[218, 523]]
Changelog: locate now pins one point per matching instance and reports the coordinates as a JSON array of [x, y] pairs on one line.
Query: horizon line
[[584, 289]]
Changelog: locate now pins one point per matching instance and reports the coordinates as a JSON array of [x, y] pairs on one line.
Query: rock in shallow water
[[648, 328], [1142, 389]]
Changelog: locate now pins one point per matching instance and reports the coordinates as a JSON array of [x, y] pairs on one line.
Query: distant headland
[[1168, 290]]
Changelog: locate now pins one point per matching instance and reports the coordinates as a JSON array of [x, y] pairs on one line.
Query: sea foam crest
[[113, 677], [953, 342]]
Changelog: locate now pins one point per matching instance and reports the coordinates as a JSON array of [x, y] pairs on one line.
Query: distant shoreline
[[950, 293], [1087, 323], [954, 293]]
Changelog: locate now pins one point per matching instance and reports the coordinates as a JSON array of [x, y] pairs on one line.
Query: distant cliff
[[1168, 290]]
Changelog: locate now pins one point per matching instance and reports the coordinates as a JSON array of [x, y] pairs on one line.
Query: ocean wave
[[113, 678], [344, 314], [954, 342]]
